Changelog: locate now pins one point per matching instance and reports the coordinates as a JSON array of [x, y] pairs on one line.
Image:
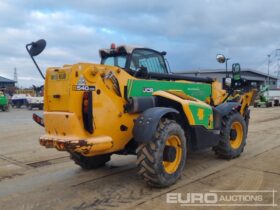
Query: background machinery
[[262, 99], [36, 101], [4, 102]]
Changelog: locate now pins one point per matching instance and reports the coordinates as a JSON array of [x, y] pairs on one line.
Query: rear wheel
[[90, 162], [161, 162], [234, 134]]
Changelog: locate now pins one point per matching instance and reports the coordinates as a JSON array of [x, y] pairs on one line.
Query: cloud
[[192, 32]]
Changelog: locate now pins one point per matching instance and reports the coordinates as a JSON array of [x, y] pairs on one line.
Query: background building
[[255, 77], [6, 83]]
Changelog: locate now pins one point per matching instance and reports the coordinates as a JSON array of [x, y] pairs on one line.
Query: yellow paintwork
[[200, 114], [63, 108], [246, 100], [235, 143], [63, 116], [218, 93], [171, 167], [185, 101], [96, 144]]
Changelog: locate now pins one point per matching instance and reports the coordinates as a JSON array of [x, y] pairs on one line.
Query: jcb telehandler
[[131, 104]]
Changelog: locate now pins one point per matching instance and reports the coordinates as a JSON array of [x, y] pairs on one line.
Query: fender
[[196, 112], [227, 107], [146, 124]]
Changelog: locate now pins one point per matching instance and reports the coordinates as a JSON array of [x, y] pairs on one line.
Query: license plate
[[58, 76]]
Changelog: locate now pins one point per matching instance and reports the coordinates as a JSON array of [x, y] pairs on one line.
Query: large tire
[[234, 135], [150, 156], [90, 162]]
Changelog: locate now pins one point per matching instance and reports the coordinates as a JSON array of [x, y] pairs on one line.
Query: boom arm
[[246, 100]]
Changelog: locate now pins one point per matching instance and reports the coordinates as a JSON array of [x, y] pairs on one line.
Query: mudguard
[[146, 124], [226, 108]]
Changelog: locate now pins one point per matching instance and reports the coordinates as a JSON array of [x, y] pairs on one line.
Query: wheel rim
[[171, 167], [236, 140]]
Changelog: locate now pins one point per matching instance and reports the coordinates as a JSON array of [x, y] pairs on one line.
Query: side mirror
[[220, 58], [236, 71], [36, 47]]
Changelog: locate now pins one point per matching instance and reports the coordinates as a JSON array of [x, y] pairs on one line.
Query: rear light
[[38, 119], [87, 111], [85, 102]]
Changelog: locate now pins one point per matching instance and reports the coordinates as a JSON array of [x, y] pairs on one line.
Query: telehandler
[[131, 103]]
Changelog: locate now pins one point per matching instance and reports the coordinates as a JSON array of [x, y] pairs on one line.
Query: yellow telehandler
[[131, 103]]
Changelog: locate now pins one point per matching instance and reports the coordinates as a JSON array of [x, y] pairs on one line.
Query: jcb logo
[[148, 90]]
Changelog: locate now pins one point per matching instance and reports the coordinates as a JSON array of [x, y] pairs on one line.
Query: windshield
[[150, 59], [115, 60]]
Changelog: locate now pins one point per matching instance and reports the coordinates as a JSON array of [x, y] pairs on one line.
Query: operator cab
[[137, 61]]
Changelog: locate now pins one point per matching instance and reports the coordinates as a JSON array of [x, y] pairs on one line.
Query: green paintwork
[[197, 90], [200, 91], [207, 114], [3, 102], [3, 99]]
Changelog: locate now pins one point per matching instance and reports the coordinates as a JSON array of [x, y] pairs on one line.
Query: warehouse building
[[6, 83], [255, 77]]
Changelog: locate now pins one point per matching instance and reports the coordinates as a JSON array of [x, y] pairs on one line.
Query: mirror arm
[[26, 46], [228, 95]]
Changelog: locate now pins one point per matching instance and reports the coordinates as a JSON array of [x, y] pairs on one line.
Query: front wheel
[[161, 162], [234, 134]]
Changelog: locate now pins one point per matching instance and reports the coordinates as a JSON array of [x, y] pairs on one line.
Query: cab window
[[153, 61], [116, 60]]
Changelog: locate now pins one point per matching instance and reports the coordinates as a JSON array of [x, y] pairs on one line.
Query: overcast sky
[[191, 31]]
